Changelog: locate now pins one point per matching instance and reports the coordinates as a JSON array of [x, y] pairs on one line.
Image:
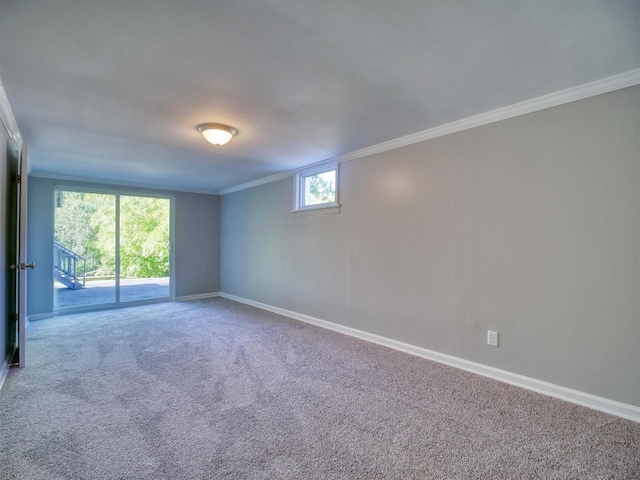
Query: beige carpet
[[213, 389]]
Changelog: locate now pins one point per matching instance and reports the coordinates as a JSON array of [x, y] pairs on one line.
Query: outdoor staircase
[[65, 267]]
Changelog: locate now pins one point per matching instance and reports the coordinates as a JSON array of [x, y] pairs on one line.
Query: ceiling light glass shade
[[217, 133]]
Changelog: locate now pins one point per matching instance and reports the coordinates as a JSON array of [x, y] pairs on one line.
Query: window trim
[[299, 178]]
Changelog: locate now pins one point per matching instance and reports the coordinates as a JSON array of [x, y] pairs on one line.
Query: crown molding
[[260, 181], [279, 176], [580, 92], [543, 102], [9, 121], [120, 183]]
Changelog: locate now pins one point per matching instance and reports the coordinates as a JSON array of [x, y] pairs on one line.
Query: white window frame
[[299, 179]]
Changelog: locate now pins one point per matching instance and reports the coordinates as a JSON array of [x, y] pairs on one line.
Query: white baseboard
[[36, 317], [39, 316], [624, 410], [4, 371], [197, 297], [4, 367]]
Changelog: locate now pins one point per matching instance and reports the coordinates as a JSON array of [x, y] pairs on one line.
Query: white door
[[22, 266]]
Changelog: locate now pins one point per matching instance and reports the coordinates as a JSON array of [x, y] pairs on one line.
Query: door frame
[[10, 306], [11, 257], [117, 193], [23, 169]]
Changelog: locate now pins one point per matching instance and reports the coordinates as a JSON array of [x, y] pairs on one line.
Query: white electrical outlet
[[492, 338]]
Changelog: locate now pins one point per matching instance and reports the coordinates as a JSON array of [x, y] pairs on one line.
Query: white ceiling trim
[[120, 183], [591, 89], [9, 121], [260, 181]]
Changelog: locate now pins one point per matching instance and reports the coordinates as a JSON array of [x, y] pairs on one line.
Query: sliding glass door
[[110, 249], [84, 249], [145, 248]]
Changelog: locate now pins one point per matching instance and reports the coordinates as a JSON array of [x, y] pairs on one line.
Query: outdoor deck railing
[[65, 266]]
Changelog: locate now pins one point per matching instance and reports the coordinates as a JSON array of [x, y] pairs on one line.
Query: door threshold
[[109, 306]]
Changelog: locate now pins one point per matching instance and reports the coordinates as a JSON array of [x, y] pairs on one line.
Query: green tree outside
[[85, 223], [321, 190], [144, 237]]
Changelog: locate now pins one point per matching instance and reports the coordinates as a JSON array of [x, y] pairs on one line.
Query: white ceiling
[[115, 89]]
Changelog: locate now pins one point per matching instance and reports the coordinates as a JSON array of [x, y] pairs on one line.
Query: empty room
[[278, 239]]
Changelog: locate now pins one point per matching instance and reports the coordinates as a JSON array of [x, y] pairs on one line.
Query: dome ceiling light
[[217, 133]]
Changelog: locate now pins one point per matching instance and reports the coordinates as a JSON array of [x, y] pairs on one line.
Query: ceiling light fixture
[[217, 133]]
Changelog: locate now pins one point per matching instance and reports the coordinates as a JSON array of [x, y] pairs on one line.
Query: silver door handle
[[23, 266]]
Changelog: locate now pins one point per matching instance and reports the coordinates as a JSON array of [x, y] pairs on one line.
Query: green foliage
[[321, 190], [103, 221], [144, 237], [73, 234], [85, 223]]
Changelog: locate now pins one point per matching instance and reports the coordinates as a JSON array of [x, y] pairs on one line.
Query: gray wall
[[40, 213], [197, 240], [529, 226], [197, 257]]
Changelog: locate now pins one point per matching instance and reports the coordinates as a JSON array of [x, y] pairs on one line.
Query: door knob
[[23, 266]]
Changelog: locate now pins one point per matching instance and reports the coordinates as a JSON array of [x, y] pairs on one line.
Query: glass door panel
[[145, 255], [84, 251]]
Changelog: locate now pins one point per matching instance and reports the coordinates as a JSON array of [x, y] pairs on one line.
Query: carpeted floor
[[213, 389]]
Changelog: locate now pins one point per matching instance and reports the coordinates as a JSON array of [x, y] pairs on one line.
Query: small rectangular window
[[317, 188], [320, 188]]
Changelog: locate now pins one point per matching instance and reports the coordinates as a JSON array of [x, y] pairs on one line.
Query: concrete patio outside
[[104, 291]]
